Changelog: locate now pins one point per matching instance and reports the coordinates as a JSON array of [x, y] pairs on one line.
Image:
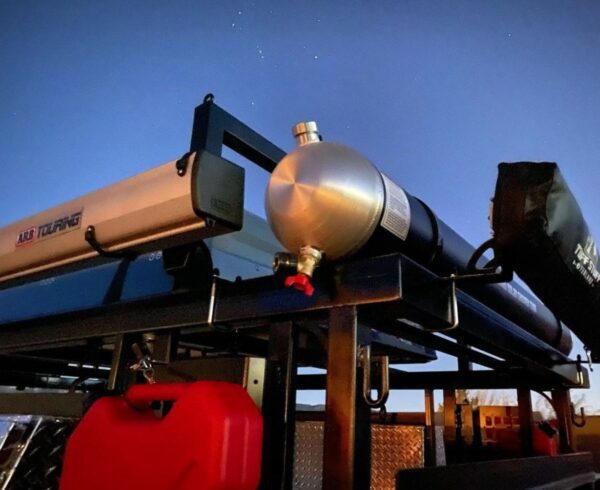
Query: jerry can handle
[[140, 396]]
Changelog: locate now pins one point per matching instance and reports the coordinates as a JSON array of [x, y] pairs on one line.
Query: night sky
[[435, 93]]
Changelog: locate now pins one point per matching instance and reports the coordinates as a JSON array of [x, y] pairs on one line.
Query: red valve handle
[[140, 396], [301, 282]]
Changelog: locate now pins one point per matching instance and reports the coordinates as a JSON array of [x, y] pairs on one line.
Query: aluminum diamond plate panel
[[440, 449], [308, 454], [31, 451], [394, 447]]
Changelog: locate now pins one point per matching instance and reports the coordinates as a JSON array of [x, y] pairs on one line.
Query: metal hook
[[145, 363], [383, 391], [581, 416], [77, 383], [453, 320], [454, 304]]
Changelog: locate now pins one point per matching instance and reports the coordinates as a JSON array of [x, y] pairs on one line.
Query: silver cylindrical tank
[[327, 196], [326, 201]]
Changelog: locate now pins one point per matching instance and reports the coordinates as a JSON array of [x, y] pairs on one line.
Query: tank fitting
[[284, 261], [306, 132], [308, 260]]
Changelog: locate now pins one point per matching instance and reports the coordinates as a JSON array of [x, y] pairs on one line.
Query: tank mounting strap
[[437, 240], [494, 270]]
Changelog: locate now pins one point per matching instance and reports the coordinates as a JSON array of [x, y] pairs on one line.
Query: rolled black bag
[[540, 233]]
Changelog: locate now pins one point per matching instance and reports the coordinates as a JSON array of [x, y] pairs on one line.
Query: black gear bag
[[540, 233]]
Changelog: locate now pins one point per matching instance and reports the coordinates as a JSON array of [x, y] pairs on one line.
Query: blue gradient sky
[[435, 93]]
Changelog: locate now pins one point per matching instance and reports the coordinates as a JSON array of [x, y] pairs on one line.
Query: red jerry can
[[210, 439], [544, 440]]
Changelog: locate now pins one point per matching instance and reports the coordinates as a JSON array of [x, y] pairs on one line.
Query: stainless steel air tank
[[325, 198]]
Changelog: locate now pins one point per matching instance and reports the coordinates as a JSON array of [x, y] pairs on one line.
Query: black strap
[[437, 240]]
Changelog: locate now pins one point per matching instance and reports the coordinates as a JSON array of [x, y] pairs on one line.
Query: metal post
[[362, 435], [562, 406], [430, 430], [450, 425], [279, 408], [525, 421], [464, 364], [340, 455], [120, 378], [477, 439], [164, 348], [254, 379]]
